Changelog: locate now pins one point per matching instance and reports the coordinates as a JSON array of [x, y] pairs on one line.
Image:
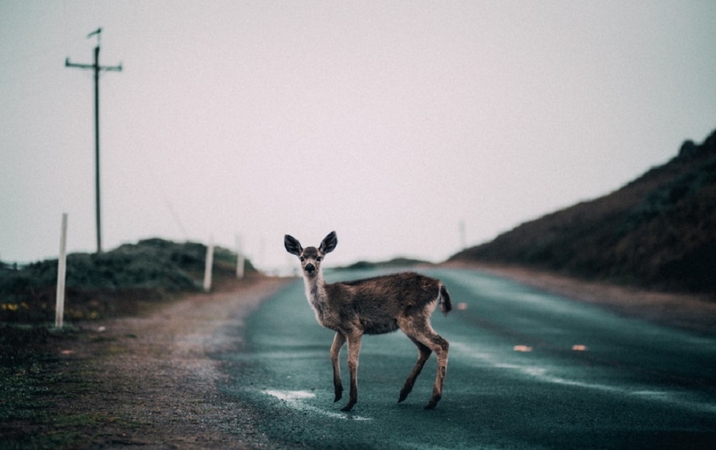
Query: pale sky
[[387, 121]]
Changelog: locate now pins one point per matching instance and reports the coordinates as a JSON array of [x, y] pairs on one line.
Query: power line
[[97, 69]]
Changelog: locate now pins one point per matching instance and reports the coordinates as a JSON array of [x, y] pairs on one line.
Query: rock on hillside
[[658, 232]]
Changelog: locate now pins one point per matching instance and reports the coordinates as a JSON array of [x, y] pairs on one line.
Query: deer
[[376, 305]]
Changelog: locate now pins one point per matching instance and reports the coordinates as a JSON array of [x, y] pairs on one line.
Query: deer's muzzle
[[310, 268]]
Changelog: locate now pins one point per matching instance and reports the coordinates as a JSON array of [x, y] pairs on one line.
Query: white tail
[[378, 305]]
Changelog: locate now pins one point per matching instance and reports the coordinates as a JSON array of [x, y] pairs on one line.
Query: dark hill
[[110, 283], [395, 263], [657, 232]]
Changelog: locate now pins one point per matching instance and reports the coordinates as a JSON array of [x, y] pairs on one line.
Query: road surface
[[527, 370]]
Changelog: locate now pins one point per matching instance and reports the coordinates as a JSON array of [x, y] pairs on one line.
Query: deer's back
[[377, 303]]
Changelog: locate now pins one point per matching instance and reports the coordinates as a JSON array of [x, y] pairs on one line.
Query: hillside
[[657, 232], [112, 283], [395, 263]]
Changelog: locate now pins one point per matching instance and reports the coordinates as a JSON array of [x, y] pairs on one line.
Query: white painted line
[[293, 400]]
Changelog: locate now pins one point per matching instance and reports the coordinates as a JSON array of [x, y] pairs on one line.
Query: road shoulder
[[150, 380]]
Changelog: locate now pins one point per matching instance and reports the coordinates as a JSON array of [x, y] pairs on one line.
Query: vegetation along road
[[527, 370]]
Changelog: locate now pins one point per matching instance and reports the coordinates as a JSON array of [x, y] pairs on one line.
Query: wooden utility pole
[[97, 69]]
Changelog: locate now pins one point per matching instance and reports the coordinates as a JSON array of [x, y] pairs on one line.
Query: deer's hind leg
[[423, 355], [423, 333], [440, 346], [338, 341]]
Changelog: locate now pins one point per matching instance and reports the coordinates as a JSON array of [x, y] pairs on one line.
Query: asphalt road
[[526, 370]]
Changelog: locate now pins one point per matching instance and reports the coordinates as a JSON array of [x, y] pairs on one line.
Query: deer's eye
[[302, 258], [318, 259]]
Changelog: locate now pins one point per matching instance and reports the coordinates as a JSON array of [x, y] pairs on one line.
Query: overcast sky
[[390, 122]]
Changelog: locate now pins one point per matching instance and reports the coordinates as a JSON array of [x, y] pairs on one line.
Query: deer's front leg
[[353, 351], [338, 341]]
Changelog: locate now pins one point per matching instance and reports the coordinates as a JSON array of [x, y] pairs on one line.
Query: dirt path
[[682, 311], [150, 381]]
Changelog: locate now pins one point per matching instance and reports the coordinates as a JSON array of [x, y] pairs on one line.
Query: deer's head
[[311, 257]]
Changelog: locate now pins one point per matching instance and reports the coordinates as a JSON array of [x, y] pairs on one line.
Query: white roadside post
[[209, 264], [61, 272], [239, 259]]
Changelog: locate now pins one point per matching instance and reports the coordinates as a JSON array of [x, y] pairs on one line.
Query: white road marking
[[294, 399]]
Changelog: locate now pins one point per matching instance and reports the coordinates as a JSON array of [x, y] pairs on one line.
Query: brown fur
[[378, 305]]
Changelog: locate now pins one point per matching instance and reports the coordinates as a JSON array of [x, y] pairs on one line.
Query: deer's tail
[[444, 299]]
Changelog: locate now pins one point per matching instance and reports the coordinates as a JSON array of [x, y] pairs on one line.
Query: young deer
[[374, 306]]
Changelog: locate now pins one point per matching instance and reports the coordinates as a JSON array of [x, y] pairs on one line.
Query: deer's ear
[[292, 245], [329, 243]]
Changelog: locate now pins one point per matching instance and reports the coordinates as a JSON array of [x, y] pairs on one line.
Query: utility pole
[[97, 69]]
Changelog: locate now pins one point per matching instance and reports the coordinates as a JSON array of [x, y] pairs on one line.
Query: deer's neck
[[316, 295]]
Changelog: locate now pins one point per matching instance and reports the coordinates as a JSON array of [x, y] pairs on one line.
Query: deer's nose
[[310, 268]]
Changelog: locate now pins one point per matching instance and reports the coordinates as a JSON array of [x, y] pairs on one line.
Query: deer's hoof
[[348, 407], [403, 396], [339, 394], [433, 402]]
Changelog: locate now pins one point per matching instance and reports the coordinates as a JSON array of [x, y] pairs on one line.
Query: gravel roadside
[[150, 380]]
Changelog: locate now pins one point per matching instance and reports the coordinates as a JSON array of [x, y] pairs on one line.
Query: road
[[527, 369]]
